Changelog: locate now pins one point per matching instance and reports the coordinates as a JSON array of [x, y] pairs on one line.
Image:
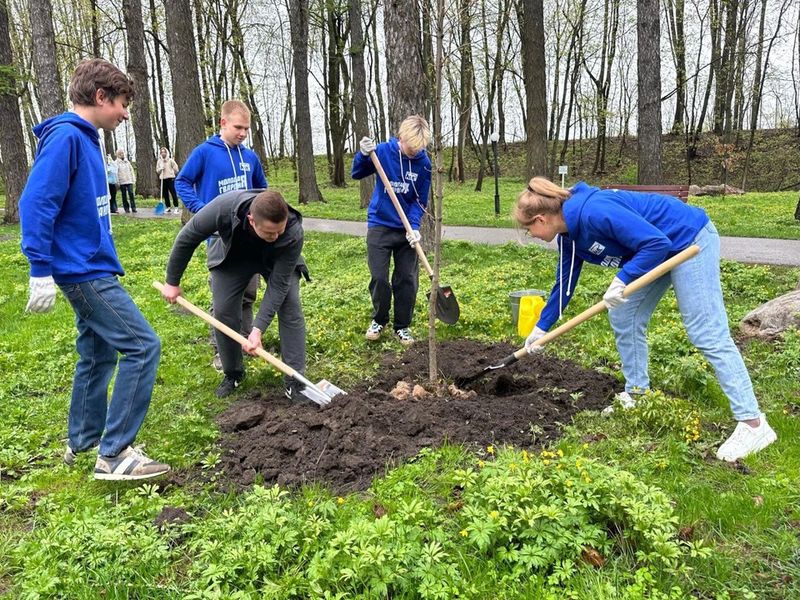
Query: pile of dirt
[[358, 435]]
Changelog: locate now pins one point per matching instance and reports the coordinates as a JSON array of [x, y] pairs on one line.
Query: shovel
[[447, 308], [321, 392], [632, 287]]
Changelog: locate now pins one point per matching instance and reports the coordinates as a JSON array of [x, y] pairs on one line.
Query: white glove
[[367, 145], [41, 294], [534, 335], [613, 296], [413, 238]]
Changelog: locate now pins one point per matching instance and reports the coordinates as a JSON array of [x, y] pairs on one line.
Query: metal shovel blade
[[323, 392], [447, 309]]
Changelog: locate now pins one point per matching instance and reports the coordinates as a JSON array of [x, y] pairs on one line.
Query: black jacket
[[218, 220]]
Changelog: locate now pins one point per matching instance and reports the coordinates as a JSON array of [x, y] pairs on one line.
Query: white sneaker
[[374, 331], [626, 401], [746, 440], [404, 335], [217, 363]]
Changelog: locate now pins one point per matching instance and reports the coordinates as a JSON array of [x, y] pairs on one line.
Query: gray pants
[[382, 244], [248, 299], [228, 286]]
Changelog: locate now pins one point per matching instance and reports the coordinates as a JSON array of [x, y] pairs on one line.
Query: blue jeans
[[699, 293], [109, 323]]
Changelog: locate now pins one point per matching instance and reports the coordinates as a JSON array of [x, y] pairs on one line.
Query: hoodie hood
[[46, 128]]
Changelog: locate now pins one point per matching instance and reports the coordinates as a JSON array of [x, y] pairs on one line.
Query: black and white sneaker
[[294, 391], [228, 386]]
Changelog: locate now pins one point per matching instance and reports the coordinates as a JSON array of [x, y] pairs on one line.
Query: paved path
[[747, 250]]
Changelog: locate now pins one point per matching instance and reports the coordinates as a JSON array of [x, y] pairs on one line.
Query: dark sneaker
[[405, 337], [228, 386], [128, 465], [294, 391]]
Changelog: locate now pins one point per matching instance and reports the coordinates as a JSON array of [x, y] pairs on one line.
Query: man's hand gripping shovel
[[322, 393]]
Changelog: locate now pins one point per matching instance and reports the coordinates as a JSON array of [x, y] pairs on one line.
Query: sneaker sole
[[123, 477], [373, 337]]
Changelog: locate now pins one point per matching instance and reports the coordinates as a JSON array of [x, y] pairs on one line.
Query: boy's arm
[[42, 199], [362, 166], [184, 182], [417, 207], [200, 227], [259, 179]]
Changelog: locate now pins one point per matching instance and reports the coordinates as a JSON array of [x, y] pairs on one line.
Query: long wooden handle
[[275, 362], [632, 287], [389, 190]]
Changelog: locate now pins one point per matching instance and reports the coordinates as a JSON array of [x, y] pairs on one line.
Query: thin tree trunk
[[159, 78], [304, 147], [12, 145], [675, 17], [649, 80], [49, 92], [466, 86], [359, 91]]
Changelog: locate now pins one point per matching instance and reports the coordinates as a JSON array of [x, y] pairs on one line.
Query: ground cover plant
[[627, 507]]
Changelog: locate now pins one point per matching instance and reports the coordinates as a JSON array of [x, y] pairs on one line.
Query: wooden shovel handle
[[632, 287], [389, 190], [275, 362]]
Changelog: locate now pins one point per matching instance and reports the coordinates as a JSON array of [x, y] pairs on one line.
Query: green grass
[[64, 535]]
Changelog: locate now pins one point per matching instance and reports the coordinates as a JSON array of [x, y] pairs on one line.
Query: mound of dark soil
[[354, 438]]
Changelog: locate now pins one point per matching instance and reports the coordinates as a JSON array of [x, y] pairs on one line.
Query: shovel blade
[[324, 392], [447, 309]]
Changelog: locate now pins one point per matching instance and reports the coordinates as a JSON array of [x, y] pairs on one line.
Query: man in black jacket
[[258, 232]]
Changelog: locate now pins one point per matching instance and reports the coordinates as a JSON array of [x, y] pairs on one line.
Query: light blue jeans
[[699, 293], [109, 324]]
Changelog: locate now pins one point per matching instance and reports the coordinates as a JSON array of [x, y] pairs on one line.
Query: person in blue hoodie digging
[[223, 164], [409, 170], [66, 236], [635, 232]]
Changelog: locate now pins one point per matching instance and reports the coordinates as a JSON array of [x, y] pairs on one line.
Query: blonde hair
[[230, 107], [415, 133], [542, 196]]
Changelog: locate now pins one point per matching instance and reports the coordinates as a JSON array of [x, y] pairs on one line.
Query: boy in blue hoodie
[[635, 232], [66, 236], [409, 170], [223, 164]]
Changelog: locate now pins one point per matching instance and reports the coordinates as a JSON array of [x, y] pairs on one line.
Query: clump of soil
[[358, 435]]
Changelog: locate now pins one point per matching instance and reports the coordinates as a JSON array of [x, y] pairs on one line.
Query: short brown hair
[[270, 206], [234, 106], [98, 74]]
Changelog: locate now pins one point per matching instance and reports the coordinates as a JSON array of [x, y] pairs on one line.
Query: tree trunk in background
[[467, 79], [531, 25], [187, 99], [12, 142], [337, 91], [380, 109], [725, 73], [146, 184], [405, 72], [307, 176], [675, 18], [359, 92], [49, 92], [649, 80], [163, 134]]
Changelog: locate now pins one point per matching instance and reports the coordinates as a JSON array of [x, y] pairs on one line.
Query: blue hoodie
[[632, 231], [214, 168], [410, 179], [64, 208]]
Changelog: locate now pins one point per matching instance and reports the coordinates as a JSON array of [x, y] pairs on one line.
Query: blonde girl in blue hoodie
[[635, 232], [409, 170]]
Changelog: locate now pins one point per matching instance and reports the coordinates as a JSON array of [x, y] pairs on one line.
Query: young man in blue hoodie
[[635, 232], [219, 165], [409, 170], [66, 236]]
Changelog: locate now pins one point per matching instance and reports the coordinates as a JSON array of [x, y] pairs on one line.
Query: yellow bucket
[[526, 306]]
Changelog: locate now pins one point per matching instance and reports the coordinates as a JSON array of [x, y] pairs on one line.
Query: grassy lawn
[[694, 527]]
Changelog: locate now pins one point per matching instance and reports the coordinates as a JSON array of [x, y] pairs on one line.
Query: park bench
[[679, 191]]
